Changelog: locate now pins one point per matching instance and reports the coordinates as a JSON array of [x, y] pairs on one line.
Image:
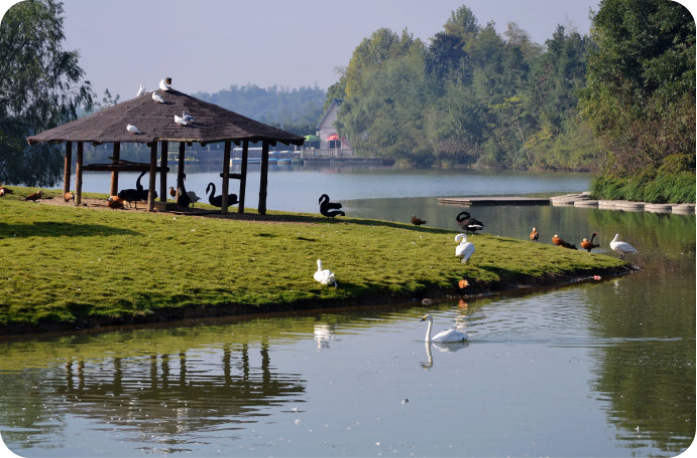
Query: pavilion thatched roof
[[155, 120]]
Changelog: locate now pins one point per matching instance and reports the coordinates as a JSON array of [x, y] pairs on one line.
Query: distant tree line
[[620, 101], [471, 97], [294, 110]]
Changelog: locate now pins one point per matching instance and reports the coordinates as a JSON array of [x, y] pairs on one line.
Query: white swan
[[325, 277], [621, 247], [465, 249], [157, 97], [449, 336]]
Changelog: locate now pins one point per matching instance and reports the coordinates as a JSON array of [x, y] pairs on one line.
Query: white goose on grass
[[621, 247], [448, 336], [325, 277], [464, 249]]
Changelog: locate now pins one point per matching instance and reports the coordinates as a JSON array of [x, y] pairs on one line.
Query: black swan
[[467, 223], [217, 201], [562, 243], [329, 209], [586, 245], [135, 195]]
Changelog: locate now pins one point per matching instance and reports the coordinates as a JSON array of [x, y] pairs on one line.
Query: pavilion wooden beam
[[163, 170], [180, 168], [114, 190], [263, 184], [67, 166], [243, 173], [226, 181], [153, 176], [78, 175]]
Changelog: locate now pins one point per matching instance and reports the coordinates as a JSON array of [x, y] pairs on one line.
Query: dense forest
[[470, 97]]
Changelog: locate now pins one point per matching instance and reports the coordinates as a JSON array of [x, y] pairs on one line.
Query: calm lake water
[[596, 369]]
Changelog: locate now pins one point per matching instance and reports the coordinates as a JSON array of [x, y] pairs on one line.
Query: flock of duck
[[464, 250]]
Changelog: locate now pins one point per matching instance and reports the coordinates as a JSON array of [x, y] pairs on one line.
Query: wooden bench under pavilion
[[156, 123]]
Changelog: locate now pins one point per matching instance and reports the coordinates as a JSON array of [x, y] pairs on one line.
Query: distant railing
[[333, 152]]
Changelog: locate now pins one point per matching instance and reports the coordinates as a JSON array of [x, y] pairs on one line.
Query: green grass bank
[[67, 267]]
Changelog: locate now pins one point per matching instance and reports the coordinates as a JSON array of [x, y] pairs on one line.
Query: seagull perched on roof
[[179, 120], [141, 91], [164, 86], [133, 129], [157, 97], [187, 117]]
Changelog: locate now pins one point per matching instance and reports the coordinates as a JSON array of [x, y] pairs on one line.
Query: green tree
[[41, 86], [640, 97]]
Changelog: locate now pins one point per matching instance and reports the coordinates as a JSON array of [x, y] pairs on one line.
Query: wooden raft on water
[[493, 200]]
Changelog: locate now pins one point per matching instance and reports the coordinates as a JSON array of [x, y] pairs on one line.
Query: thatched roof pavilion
[[155, 122]]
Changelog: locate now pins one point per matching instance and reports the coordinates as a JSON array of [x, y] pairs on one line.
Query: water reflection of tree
[[159, 396], [647, 363]]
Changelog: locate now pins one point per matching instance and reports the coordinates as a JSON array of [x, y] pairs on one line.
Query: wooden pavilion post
[[115, 173], [263, 184], [163, 170], [226, 177], [180, 168], [67, 165], [153, 176], [78, 175], [243, 173]]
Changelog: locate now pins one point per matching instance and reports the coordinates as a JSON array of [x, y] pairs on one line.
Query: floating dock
[[571, 200], [493, 200]]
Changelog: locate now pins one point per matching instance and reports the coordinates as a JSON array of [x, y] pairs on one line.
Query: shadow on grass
[[55, 229]]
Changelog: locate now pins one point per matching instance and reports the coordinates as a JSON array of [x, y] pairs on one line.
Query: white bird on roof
[[157, 97], [179, 120], [164, 86], [141, 91], [133, 129], [187, 117]]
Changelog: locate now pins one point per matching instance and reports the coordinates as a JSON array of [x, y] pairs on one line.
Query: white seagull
[[621, 247], [164, 86], [133, 129], [157, 97], [464, 249], [141, 91], [179, 120], [325, 277]]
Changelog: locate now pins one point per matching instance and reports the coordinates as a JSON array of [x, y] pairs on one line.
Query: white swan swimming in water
[[449, 336], [621, 247], [325, 277], [465, 249]]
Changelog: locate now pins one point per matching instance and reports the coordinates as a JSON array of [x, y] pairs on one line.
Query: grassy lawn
[[65, 264]]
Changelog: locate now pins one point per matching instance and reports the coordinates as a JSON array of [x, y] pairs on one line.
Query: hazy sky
[[208, 45]]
